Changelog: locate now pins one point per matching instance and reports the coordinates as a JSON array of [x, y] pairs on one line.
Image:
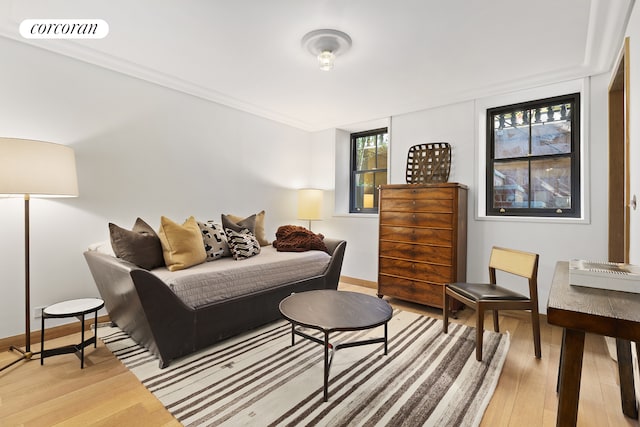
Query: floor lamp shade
[[310, 204], [37, 168], [34, 169]]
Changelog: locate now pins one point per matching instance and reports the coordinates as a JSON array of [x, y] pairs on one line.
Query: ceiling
[[407, 55]]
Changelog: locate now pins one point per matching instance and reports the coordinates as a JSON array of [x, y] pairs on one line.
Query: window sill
[[533, 219], [356, 215]]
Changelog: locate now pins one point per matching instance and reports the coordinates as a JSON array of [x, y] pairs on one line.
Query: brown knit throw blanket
[[293, 238]]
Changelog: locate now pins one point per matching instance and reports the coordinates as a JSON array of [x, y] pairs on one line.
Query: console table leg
[[570, 376], [560, 363], [625, 372]]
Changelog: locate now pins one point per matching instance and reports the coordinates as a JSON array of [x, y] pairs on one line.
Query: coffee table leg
[[293, 335], [385, 339], [326, 366]]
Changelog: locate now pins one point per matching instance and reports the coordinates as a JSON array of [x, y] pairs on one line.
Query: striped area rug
[[258, 378]]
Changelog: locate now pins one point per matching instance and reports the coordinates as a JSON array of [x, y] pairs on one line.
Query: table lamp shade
[[309, 204], [37, 168]]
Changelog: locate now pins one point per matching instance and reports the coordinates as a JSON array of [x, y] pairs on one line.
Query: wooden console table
[[579, 310]]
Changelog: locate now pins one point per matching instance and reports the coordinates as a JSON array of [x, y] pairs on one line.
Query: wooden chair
[[490, 296]]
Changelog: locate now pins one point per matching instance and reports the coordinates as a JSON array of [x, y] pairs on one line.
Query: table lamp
[[310, 204], [34, 169]]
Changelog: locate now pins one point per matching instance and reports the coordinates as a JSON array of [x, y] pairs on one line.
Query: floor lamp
[[310, 204], [34, 169]]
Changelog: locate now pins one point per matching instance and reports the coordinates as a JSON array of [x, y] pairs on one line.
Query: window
[[533, 158], [368, 169]]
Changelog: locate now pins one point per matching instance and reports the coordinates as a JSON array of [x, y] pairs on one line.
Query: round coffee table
[[331, 311]]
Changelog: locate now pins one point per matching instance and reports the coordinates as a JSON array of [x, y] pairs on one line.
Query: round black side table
[[72, 308]]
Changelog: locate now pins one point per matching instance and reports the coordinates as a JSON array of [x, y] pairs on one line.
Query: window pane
[[551, 182], [551, 133], [511, 133], [371, 152], [381, 158], [366, 189], [511, 185], [363, 150]]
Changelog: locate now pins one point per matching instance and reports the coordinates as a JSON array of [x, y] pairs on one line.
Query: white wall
[[141, 150], [456, 124], [633, 32]]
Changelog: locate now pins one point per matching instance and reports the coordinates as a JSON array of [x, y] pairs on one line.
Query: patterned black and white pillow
[[215, 240], [243, 244]]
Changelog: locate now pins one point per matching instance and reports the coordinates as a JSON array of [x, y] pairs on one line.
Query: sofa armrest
[[332, 244], [336, 248]]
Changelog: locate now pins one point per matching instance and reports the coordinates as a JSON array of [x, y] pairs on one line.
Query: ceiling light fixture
[[326, 45]]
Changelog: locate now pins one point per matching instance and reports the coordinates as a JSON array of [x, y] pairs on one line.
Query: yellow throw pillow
[[182, 245], [259, 230]]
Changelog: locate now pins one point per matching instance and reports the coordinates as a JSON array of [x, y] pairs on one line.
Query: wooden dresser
[[423, 240]]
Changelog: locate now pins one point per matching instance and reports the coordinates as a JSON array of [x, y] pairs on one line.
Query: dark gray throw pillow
[[249, 223], [140, 245]]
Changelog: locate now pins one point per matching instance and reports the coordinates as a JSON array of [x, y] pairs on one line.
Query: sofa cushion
[[243, 244], [182, 245], [140, 245], [214, 239], [226, 278], [259, 226]]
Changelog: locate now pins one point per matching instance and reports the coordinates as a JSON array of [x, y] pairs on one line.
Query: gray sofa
[[146, 308]]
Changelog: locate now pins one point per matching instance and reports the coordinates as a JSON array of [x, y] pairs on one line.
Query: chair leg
[[535, 324], [445, 312], [479, 331], [496, 324]]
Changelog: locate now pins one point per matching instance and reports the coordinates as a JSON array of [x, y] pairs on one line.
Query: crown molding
[[607, 25]]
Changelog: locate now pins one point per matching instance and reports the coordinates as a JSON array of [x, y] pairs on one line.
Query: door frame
[[619, 143]]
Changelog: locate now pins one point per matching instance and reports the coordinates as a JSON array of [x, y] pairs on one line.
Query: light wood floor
[[107, 394]]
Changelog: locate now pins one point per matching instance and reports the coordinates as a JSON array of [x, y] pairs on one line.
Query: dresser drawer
[[417, 193], [432, 236], [432, 254], [411, 290], [437, 220], [415, 270], [416, 205]]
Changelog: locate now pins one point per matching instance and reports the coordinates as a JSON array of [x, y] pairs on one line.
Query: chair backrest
[[524, 264]]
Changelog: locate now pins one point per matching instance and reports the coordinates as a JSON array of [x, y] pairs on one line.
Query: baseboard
[[53, 332], [359, 282]]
